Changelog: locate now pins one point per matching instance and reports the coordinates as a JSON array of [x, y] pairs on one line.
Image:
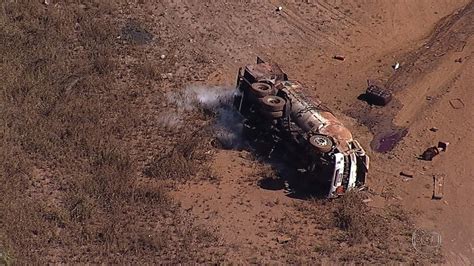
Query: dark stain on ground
[[134, 33], [379, 120], [386, 141]]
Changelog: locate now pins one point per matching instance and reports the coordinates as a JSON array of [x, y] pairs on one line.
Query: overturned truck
[[276, 110]]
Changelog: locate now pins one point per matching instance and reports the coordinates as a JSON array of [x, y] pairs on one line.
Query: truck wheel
[[272, 115], [261, 89], [273, 103], [321, 143]]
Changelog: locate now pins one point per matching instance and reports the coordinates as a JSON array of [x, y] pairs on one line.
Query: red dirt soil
[[204, 43], [426, 37]]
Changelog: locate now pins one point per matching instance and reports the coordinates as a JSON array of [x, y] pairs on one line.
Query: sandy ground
[[426, 37]]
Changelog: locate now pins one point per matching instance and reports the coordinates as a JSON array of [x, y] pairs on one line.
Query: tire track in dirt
[[344, 17], [340, 16], [449, 35], [307, 31], [434, 65], [304, 28], [409, 82]]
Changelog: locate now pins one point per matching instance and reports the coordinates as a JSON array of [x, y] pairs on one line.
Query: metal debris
[[443, 145], [377, 95], [396, 66], [283, 239], [407, 174], [431, 152]]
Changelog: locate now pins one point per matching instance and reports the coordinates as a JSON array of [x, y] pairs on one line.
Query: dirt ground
[[220, 210], [426, 37]]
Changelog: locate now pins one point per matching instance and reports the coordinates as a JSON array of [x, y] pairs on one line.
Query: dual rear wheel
[[272, 106]]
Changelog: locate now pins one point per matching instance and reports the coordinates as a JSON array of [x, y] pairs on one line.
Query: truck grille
[[346, 173]]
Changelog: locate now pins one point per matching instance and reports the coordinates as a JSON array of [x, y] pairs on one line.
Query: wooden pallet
[[438, 189]]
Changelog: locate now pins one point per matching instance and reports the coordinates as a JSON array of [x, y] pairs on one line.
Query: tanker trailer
[[276, 110]]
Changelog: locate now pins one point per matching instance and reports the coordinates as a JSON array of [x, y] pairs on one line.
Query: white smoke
[[216, 99]]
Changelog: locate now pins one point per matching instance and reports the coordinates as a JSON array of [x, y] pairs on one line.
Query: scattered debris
[[430, 153], [456, 103], [443, 145], [433, 151], [396, 66], [283, 239], [407, 173], [279, 8], [339, 57], [434, 129], [377, 95], [367, 200], [166, 76], [46, 2], [438, 186]]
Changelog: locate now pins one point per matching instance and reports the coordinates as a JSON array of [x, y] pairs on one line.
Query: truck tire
[[261, 89], [273, 103], [321, 142]]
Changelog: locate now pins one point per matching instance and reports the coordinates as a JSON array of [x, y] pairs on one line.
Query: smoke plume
[[227, 126]]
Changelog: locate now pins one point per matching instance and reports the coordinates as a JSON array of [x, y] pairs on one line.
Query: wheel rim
[[263, 87], [274, 100], [321, 141]]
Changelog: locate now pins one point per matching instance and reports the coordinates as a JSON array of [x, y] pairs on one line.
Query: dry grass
[[64, 117], [355, 233], [185, 159], [354, 217]]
